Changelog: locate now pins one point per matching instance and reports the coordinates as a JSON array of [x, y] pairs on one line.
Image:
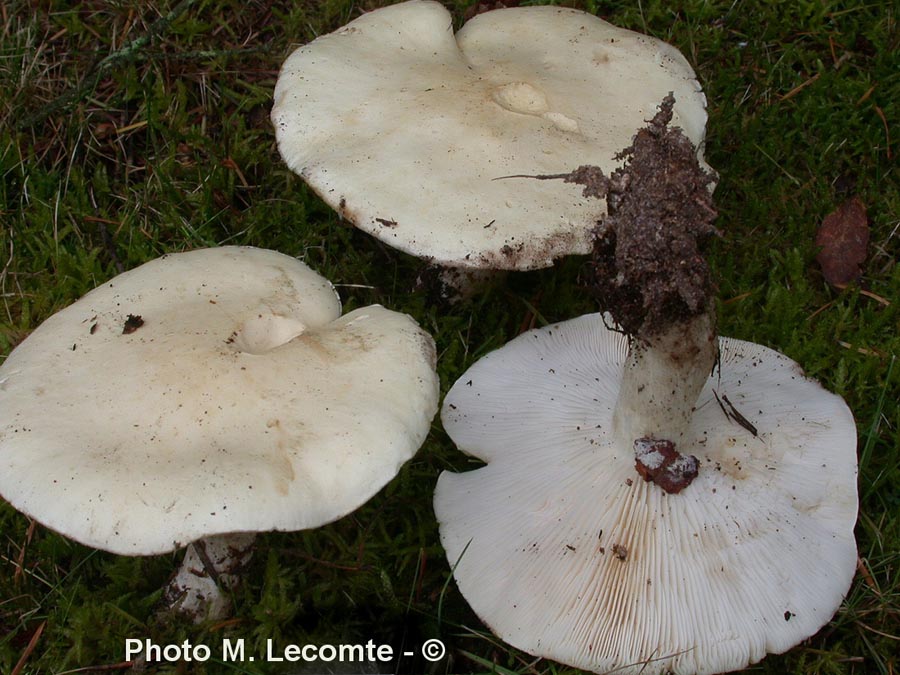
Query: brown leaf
[[843, 238]]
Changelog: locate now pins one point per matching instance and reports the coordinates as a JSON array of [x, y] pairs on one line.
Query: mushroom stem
[[449, 285], [663, 378], [661, 382], [649, 273], [212, 566]]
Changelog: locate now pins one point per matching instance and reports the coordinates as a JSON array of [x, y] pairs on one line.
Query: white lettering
[[152, 652], [270, 655], [326, 653], [170, 653], [133, 647], [351, 653], [233, 652]]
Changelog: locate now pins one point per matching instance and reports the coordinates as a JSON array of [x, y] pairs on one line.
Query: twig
[[358, 567], [20, 559], [208, 566], [877, 298], [800, 87], [866, 574], [887, 131], [733, 414], [737, 298], [32, 643], [100, 669], [737, 417]]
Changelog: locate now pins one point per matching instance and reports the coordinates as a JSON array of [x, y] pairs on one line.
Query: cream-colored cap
[[406, 129], [209, 392]]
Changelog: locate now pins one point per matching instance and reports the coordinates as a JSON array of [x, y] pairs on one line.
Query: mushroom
[[406, 129], [203, 397], [564, 551], [656, 499]]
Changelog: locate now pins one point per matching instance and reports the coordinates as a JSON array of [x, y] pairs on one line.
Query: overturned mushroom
[[243, 402], [405, 129], [656, 499]]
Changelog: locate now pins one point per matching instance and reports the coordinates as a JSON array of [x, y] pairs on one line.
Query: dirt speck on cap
[[132, 323]]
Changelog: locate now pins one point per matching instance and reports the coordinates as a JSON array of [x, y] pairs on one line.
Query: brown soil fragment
[[591, 178], [657, 461], [132, 323], [648, 269]]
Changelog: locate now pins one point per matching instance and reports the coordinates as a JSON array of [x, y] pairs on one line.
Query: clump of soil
[[648, 268], [132, 323], [658, 461]]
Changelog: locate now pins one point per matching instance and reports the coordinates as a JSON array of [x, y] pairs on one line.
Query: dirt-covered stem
[[211, 567], [662, 380], [650, 275]]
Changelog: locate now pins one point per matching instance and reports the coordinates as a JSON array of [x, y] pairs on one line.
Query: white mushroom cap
[[245, 402], [403, 128], [565, 552]]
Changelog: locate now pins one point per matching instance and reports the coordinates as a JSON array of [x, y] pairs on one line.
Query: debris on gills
[[658, 461]]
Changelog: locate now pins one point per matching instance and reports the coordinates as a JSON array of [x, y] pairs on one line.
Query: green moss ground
[[128, 130]]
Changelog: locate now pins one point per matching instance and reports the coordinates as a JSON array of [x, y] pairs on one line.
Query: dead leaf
[[843, 238]]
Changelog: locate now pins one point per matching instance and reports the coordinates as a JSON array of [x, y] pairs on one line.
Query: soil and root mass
[[648, 272]]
